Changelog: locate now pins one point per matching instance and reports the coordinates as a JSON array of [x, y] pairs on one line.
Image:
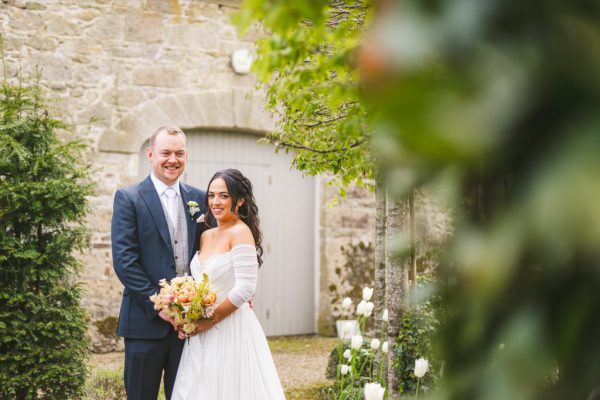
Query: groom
[[154, 235]]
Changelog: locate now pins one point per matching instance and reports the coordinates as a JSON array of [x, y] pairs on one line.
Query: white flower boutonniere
[[193, 208]]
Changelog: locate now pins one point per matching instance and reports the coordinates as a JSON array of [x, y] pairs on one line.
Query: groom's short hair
[[171, 130]]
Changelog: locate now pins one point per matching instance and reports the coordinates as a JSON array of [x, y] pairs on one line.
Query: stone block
[[171, 107], [144, 28], [160, 76], [203, 36], [106, 27], [163, 7], [194, 109], [42, 43], [154, 117], [53, 67], [129, 97], [249, 111], [100, 113], [84, 15], [120, 141], [218, 108], [60, 26]]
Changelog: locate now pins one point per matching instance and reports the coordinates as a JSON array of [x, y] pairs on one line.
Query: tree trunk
[[380, 262], [398, 252]]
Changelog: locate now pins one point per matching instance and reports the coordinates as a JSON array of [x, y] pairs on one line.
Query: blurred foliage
[[305, 63], [497, 103], [44, 186]]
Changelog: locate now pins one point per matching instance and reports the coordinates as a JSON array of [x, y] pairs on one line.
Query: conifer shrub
[[44, 184]]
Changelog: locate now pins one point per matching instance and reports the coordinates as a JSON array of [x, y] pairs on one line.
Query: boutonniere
[[193, 208]]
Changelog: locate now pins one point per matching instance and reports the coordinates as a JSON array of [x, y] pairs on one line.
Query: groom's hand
[[170, 320]]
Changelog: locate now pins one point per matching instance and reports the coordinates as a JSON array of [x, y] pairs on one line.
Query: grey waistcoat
[[179, 240]]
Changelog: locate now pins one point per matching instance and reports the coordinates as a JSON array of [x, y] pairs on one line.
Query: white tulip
[[369, 309], [344, 370], [384, 347], [367, 293], [346, 329], [347, 303], [361, 308], [375, 344], [357, 342], [385, 317], [374, 391], [421, 367], [347, 354]]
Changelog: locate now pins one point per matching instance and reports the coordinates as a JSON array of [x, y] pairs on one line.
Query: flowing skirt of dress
[[231, 361], [228, 362]]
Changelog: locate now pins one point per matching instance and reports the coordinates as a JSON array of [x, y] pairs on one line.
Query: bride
[[227, 357]]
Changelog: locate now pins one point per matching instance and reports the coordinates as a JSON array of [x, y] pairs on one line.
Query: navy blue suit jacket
[[143, 255]]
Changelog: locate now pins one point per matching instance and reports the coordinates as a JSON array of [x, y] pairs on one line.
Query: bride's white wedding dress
[[232, 360]]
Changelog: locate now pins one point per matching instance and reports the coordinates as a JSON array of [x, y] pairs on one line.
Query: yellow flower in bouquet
[[185, 300]]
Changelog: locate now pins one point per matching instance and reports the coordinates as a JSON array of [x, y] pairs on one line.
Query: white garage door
[[284, 301]]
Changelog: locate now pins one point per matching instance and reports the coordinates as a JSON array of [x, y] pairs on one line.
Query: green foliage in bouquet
[[198, 308], [43, 200]]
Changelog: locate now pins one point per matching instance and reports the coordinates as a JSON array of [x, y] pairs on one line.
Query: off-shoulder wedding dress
[[232, 360]]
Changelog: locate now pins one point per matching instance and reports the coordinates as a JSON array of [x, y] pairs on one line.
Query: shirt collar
[[160, 186]]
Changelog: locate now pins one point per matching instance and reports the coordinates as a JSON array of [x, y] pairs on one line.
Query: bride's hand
[[203, 325]]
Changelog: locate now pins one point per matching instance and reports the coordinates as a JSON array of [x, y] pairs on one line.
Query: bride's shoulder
[[208, 232], [240, 234]]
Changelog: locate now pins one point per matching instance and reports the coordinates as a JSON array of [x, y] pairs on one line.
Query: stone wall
[[117, 69], [347, 226]]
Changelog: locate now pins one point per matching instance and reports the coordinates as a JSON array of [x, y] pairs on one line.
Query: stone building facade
[[118, 69]]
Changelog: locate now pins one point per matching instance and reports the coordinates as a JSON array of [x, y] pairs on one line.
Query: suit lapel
[[186, 196], [150, 196]]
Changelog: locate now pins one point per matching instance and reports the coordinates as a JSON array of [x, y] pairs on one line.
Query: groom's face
[[168, 157]]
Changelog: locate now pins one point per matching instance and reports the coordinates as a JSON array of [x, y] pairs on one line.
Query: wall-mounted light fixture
[[241, 60]]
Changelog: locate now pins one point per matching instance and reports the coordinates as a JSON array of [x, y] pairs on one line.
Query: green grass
[[301, 344], [310, 392]]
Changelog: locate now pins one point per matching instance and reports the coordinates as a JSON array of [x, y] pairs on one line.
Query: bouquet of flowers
[[186, 300]]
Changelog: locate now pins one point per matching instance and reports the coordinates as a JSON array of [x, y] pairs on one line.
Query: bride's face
[[219, 200]]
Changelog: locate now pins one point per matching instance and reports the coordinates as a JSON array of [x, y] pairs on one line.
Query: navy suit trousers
[[145, 362]]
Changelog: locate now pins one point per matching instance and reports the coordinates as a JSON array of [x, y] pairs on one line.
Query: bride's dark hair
[[240, 187]]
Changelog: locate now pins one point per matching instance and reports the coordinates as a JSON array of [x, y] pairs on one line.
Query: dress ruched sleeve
[[245, 270]]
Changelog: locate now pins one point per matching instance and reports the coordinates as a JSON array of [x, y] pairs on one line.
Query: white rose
[[384, 347], [421, 367], [367, 293], [361, 307], [344, 370], [347, 303], [375, 344], [374, 391], [357, 342], [347, 354]]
